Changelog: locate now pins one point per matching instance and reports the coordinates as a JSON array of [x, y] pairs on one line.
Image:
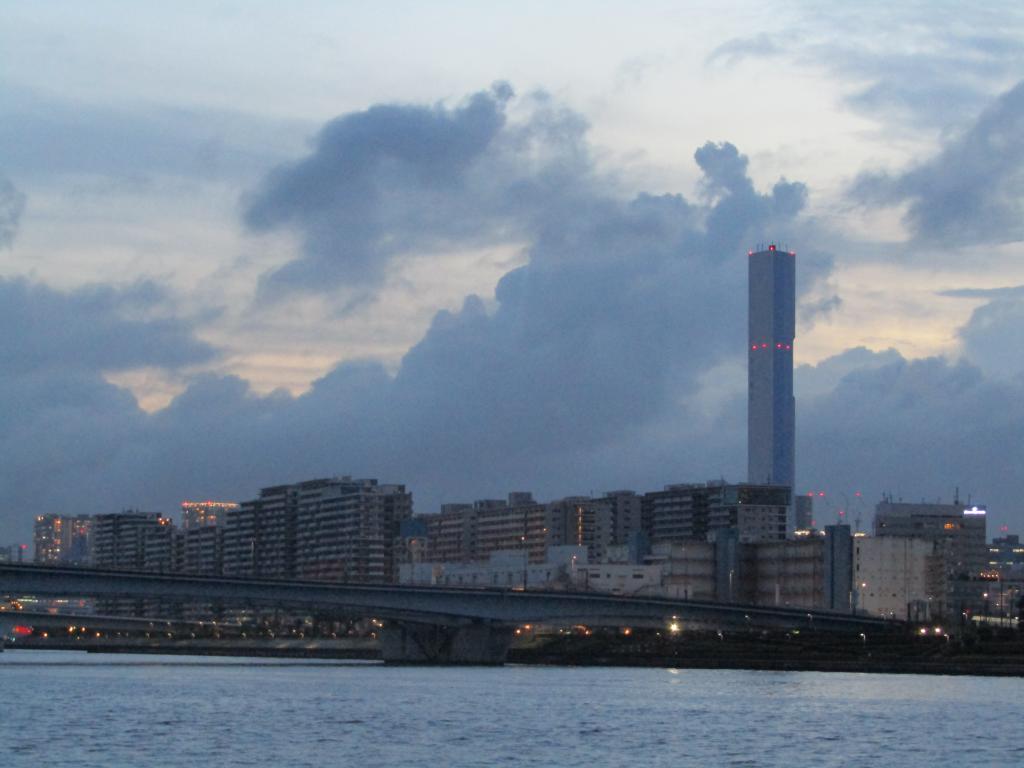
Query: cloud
[[94, 328], [589, 369], [972, 191], [12, 204], [46, 137], [376, 181], [63, 427], [916, 429], [738, 212], [933, 74], [901, 66], [736, 49], [991, 338], [604, 334], [810, 312], [823, 378], [396, 179], [1013, 291]]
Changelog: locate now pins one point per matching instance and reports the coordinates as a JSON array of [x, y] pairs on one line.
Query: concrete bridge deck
[[435, 619]]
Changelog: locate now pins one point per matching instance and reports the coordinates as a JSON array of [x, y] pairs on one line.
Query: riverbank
[[364, 649], [781, 652], [784, 652]]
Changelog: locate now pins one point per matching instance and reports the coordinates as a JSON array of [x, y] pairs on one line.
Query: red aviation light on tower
[[770, 402]]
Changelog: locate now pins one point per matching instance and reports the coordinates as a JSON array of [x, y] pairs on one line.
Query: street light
[[526, 561]]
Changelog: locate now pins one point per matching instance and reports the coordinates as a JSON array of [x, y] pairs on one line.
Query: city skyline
[[479, 265]]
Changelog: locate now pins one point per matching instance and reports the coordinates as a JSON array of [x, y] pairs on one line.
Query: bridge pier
[[404, 642]]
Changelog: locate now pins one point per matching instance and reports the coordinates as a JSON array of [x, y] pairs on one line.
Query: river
[[72, 709]]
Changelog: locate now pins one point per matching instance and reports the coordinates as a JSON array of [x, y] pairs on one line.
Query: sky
[[477, 248]]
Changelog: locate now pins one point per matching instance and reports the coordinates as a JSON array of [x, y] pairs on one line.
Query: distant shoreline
[[889, 667], [968, 664]]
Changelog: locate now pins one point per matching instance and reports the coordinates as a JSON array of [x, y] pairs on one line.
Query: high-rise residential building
[[79, 539], [467, 532], [627, 517], [586, 522], [528, 526], [200, 550], [462, 533], [679, 512], [347, 530], [198, 514], [690, 512], [451, 533], [337, 529], [259, 540], [133, 541], [63, 539], [410, 547], [771, 408], [49, 539]]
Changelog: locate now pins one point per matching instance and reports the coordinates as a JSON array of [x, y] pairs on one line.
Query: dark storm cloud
[[395, 179], [589, 370], [811, 311], [917, 429], [375, 181], [820, 379], [617, 311], [736, 203], [972, 191], [992, 337], [90, 329], [12, 204], [63, 428], [622, 306]]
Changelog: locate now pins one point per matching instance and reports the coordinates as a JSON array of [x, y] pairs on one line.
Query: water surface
[[72, 709]]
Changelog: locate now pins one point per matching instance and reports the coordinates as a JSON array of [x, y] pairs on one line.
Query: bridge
[[430, 624]]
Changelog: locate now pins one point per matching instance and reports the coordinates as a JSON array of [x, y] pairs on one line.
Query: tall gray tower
[[771, 409]]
